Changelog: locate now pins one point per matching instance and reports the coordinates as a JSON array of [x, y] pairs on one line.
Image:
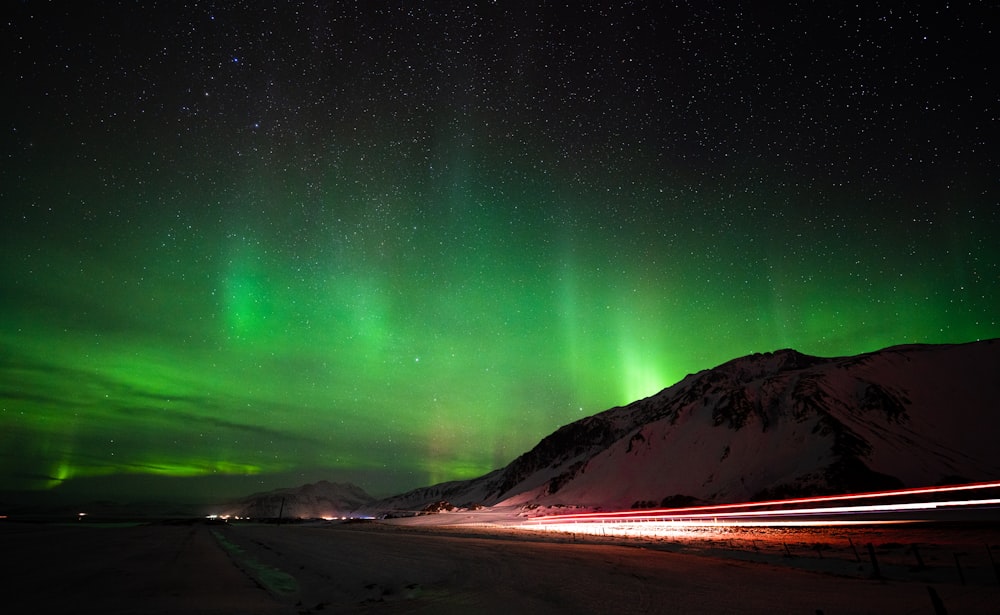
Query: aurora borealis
[[247, 247]]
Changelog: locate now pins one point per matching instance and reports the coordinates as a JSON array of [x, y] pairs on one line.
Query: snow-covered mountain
[[762, 426], [312, 501]]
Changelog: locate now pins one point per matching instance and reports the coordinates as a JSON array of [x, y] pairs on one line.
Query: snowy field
[[409, 567]]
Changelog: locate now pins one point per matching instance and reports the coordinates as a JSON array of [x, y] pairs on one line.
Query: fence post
[[958, 567], [876, 573], [936, 601], [996, 569]]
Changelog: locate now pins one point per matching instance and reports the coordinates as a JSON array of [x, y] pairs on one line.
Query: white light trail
[[749, 514], [791, 501]]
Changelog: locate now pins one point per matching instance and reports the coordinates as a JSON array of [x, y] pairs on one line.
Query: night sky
[[246, 247]]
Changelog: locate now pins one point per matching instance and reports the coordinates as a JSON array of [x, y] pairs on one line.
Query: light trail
[[825, 510], [792, 512], [689, 528], [707, 509]]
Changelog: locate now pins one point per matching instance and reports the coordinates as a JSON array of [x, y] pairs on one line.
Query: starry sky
[[248, 246]]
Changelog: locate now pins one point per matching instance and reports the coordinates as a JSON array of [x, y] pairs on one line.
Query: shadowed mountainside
[[311, 501]]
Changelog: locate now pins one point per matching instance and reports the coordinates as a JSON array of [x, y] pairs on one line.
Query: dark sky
[[247, 247]]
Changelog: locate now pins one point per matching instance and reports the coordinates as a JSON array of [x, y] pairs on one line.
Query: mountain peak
[[761, 365], [312, 501]]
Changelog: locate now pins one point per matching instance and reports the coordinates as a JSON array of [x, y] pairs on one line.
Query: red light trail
[[788, 512]]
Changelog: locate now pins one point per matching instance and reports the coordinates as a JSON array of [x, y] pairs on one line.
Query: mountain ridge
[[309, 501], [760, 426]]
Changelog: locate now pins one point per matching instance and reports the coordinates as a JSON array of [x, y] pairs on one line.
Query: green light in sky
[[409, 269], [429, 362]]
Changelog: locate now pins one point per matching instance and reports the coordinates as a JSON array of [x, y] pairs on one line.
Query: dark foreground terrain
[[201, 568], [87, 568]]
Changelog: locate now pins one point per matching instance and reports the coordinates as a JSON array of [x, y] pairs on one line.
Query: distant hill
[[311, 501], [764, 426]]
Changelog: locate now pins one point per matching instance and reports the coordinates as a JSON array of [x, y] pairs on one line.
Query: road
[[147, 569], [975, 501]]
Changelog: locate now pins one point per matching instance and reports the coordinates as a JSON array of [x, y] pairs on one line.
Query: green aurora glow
[[406, 300]]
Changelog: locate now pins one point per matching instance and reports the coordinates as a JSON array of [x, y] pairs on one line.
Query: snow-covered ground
[[485, 569], [419, 566]]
